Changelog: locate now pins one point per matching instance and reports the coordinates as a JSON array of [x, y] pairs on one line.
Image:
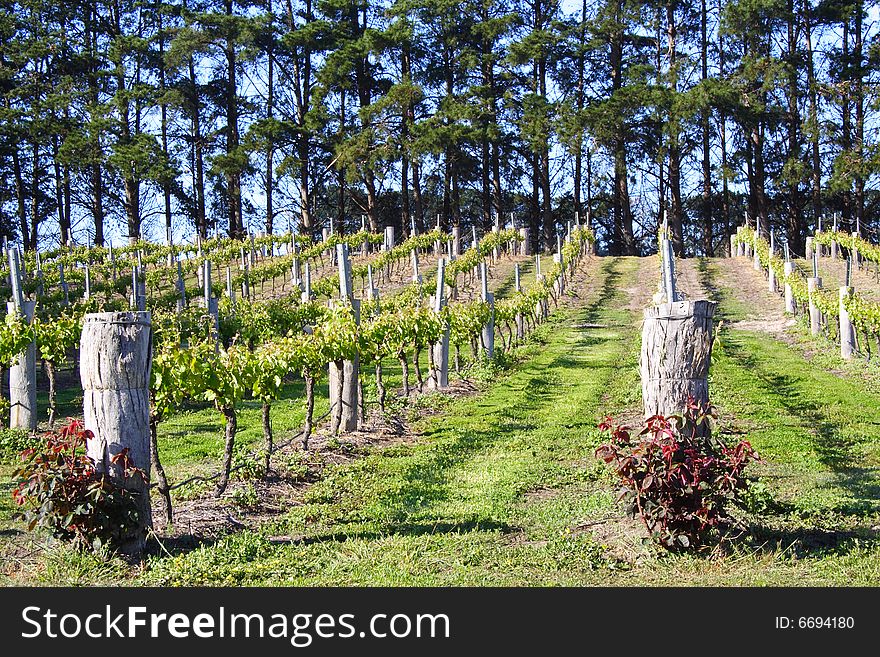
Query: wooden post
[[416, 277], [488, 334], [138, 299], [855, 253], [847, 330], [115, 358], [372, 290], [676, 349], [809, 249], [456, 241], [388, 244], [350, 368], [669, 283], [210, 302], [87, 292], [440, 378], [789, 294], [62, 282], [39, 275], [771, 275], [733, 246], [230, 290], [437, 245], [814, 284], [23, 371], [306, 295], [525, 246], [518, 318], [181, 289], [834, 240]]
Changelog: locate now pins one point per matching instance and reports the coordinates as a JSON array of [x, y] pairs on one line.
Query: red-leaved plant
[[59, 488], [676, 477]]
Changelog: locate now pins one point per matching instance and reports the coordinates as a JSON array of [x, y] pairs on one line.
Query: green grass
[[503, 489]]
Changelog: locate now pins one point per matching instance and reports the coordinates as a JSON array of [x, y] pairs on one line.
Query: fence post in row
[[349, 415], [489, 298], [440, 351], [23, 371]]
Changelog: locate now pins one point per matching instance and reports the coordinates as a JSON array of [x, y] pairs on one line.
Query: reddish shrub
[[60, 489], [676, 477]]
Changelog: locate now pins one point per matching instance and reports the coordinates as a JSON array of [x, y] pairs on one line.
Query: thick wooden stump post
[[809, 250], [23, 378], [676, 348], [847, 330], [814, 284], [456, 241], [789, 294], [115, 358]]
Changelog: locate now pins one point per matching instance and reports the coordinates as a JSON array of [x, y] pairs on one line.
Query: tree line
[[198, 116]]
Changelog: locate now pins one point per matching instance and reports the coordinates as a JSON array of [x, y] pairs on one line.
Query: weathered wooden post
[[209, 301], [138, 298], [437, 244], [63, 283], [524, 245], [814, 285], [372, 290], [87, 291], [39, 275], [771, 275], [230, 289], [733, 246], [542, 309], [788, 272], [834, 239], [365, 245], [676, 348], [857, 261], [488, 334], [756, 260], [440, 350], [181, 289], [388, 244], [847, 330], [416, 276], [456, 241], [115, 359], [350, 370], [809, 248], [306, 295], [23, 371], [243, 268], [496, 228], [518, 317], [669, 281]]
